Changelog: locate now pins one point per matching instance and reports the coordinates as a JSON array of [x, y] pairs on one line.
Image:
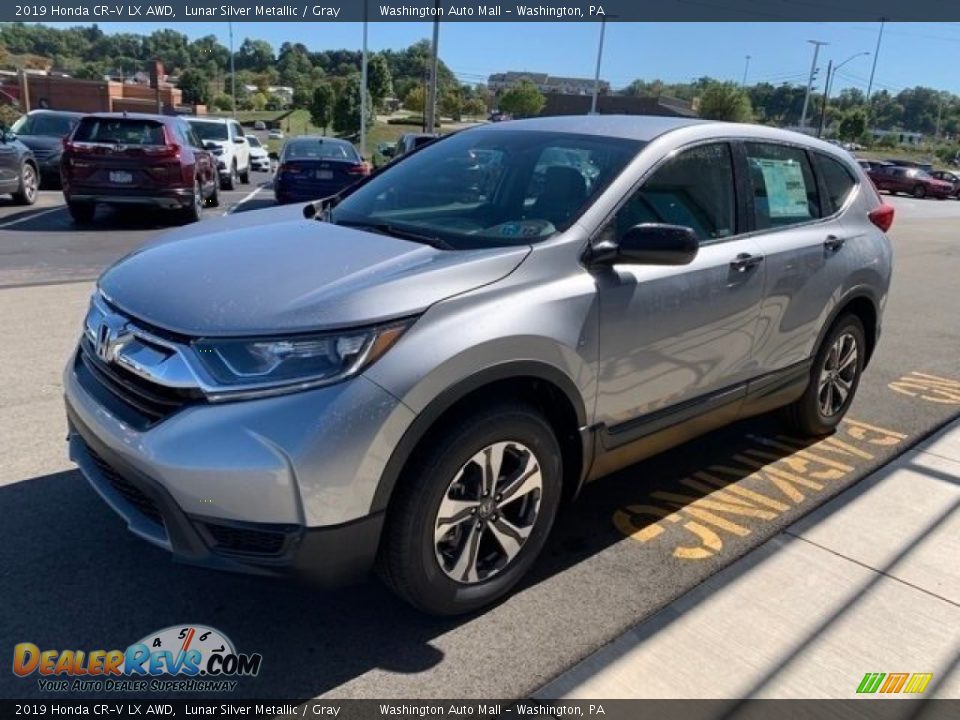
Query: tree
[[475, 107], [321, 106], [853, 125], [451, 105], [346, 108], [522, 100], [259, 101], [222, 101], [413, 100], [379, 79], [195, 88], [254, 55], [725, 101]]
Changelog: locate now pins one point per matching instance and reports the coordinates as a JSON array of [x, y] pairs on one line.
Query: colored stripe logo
[[891, 683]]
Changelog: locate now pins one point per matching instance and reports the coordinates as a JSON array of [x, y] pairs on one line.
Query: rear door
[[797, 198], [123, 154], [9, 162]]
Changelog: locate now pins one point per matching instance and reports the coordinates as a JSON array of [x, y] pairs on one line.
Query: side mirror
[[273, 155], [239, 140], [649, 244], [210, 145]]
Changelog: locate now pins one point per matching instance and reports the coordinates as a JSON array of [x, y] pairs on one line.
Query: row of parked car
[[917, 179], [168, 162]]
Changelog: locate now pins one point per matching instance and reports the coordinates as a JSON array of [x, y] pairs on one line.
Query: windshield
[[45, 125], [319, 150], [252, 139], [209, 130], [490, 188]]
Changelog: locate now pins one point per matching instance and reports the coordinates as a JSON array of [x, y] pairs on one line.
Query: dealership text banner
[[100, 11]]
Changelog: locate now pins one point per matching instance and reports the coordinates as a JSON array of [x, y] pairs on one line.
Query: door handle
[[833, 242], [745, 261]]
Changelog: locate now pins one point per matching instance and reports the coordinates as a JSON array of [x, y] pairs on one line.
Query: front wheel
[[834, 379], [474, 511], [245, 175], [230, 181], [26, 193], [919, 192], [81, 212], [214, 199]]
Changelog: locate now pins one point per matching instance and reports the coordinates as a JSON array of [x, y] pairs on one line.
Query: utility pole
[[939, 114], [24, 90], [430, 115], [363, 88], [876, 56], [233, 75], [826, 96], [596, 75], [746, 67], [813, 71]]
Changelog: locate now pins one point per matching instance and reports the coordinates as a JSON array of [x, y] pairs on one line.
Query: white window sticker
[[786, 190]]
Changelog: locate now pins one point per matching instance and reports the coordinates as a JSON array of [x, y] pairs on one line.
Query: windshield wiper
[[394, 231]]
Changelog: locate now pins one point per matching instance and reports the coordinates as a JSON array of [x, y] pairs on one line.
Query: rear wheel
[[919, 191], [81, 212], [474, 511], [194, 211], [834, 378], [26, 193]]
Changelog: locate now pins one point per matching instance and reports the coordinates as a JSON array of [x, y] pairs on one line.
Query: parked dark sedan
[[137, 159], [313, 167], [19, 174], [896, 179], [43, 132], [950, 177]]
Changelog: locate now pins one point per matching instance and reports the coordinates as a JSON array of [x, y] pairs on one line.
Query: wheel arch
[[545, 387], [863, 303]]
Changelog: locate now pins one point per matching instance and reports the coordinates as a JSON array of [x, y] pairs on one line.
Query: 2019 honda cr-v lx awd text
[[414, 374]]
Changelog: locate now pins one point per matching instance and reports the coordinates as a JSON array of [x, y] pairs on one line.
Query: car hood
[[258, 152], [272, 271]]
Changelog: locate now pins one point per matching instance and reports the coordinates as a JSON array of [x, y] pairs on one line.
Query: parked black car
[[19, 174], [43, 132]]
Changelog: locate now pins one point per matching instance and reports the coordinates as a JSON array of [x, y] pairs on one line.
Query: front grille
[[129, 492], [149, 401], [245, 541]]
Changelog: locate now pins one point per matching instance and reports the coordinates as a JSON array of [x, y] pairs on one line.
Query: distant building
[[561, 104], [546, 83], [903, 137]]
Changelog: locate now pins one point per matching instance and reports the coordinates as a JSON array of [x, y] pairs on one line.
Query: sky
[[911, 53]]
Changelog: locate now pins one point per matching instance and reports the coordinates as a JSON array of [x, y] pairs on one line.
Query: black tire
[[245, 176], [81, 212], [408, 561], [919, 192], [214, 199], [26, 193], [194, 211], [230, 181], [807, 414]]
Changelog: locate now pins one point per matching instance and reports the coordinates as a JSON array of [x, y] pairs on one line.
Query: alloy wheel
[[838, 374], [30, 183], [488, 512]]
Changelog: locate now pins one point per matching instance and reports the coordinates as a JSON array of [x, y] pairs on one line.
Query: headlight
[[302, 360]]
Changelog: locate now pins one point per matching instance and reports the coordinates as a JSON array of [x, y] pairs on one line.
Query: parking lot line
[[31, 217], [246, 198]]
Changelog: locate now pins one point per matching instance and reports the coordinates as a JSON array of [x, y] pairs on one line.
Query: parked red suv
[[916, 182], [137, 159]]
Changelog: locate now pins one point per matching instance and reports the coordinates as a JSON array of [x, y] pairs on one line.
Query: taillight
[[288, 168], [171, 150], [882, 216], [359, 169]]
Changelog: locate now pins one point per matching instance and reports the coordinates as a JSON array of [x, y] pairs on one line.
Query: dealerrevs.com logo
[[181, 658]]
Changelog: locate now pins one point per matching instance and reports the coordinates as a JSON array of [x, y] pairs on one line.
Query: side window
[[694, 189], [192, 137], [237, 130], [837, 180], [784, 188]]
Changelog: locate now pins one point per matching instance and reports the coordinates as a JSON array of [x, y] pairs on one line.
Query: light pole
[[831, 74], [596, 75], [363, 88], [876, 56], [233, 75], [813, 69], [746, 67], [431, 109]]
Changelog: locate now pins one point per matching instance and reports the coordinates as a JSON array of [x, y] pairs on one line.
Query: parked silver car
[[415, 375]]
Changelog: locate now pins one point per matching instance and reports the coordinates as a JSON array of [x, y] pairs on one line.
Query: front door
[[678, 338]]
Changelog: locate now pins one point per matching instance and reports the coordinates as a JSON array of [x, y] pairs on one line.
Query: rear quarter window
[[838, 182]]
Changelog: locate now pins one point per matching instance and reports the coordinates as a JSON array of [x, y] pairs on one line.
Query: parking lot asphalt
[[72, 577]]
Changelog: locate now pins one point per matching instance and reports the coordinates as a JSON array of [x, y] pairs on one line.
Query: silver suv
[[412, 375]]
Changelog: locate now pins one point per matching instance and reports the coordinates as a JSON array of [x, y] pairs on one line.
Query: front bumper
[[275, 486]]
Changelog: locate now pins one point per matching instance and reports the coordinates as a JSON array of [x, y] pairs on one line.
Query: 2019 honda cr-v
[[413, 374]]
